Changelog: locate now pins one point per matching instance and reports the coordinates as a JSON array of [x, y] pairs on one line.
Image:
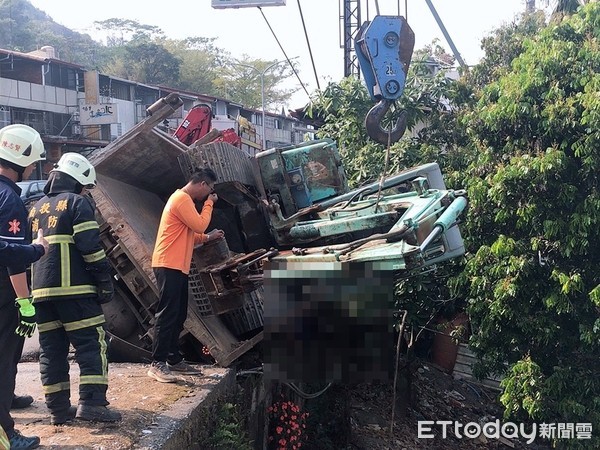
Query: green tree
[[502, 47], [14, 14], [140, 52], [121, 31], [202, 63], [25, 28], [344, 105], [146, 62], [522, 133], [533, 282], [241, 80]]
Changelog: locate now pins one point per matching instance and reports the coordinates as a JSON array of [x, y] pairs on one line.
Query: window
[[114, 89], [60, 76], [4, 116]]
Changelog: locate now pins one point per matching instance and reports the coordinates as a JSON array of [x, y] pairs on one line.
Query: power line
[[309, 48], [284, 53]]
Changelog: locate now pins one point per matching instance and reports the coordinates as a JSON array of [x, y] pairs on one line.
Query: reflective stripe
[[93, 257], [102, 342], [53, 388], [68, 290], [84, 323], [65, 265], [4, 442], [49, 326], [93, 379], [84, 226], [60, 239], [12, 238]]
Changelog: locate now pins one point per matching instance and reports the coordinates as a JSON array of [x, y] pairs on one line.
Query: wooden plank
[[242, 348]]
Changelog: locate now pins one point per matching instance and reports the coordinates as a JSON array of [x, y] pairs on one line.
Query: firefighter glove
[[26, 325], [105, 287]]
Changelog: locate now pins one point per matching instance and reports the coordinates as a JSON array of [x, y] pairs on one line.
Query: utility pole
[[350, 19], [262, 92], [529, 6]]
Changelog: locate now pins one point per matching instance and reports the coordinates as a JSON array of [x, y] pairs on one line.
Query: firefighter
[[68, 286], [20, 148]]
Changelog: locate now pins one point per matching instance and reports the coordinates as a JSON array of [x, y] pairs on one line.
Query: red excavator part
[[196, 124], [229, 135]]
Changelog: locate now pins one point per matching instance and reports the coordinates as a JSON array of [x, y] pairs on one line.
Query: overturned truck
[[289, 206]]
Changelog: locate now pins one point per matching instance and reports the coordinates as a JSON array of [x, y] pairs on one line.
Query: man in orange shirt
[[180, 229]]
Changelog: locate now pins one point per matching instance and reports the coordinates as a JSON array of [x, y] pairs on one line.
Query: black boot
[[95, 413], [21, 401], [60, 418]]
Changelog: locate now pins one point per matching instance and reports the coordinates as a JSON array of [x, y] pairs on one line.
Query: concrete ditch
[[155, 415]]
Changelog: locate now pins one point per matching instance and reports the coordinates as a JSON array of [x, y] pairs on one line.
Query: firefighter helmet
[[78, 167], [21, 145]]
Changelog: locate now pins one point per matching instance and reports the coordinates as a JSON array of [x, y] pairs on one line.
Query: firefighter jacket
[[75, 255], [13, 230]]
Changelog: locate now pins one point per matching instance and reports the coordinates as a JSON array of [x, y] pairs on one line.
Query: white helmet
[[21, 145], [78, 167]]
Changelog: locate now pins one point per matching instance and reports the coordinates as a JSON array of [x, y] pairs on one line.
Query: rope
[[304, 395], [309, 48], [385, 168], [400, 333]]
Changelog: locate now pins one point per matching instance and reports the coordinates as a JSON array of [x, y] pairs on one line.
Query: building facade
[[78, 110]]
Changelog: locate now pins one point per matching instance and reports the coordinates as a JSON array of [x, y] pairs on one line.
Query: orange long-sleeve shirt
[[181, 227]]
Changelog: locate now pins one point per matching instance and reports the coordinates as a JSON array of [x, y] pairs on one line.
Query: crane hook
[[376, 131]]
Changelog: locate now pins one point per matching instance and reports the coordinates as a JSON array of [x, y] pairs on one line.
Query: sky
[[244, 30]]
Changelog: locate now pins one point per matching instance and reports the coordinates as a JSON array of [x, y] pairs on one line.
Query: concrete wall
[[21, 94]]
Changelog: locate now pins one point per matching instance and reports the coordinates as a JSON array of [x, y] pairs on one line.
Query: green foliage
[[533, 224], [502, 47], [24, 28], [146, 62], [140, 52], [242, 80], [202, 65], [229, 432], [344, 105], [521, 393], [121, 31], [523, 136]]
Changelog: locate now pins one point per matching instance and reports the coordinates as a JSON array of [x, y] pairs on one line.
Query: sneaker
[[96, 413], [21, 401], [63, 417], [20, 442], [184, 368], [160, 372]]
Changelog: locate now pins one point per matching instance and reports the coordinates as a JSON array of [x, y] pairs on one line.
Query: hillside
[[25, 28]]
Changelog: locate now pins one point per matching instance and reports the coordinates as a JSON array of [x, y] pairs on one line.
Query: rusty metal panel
[[229, 163], [136, 174], [148, 162], [145, 157], [133, 215], [248, 318]]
